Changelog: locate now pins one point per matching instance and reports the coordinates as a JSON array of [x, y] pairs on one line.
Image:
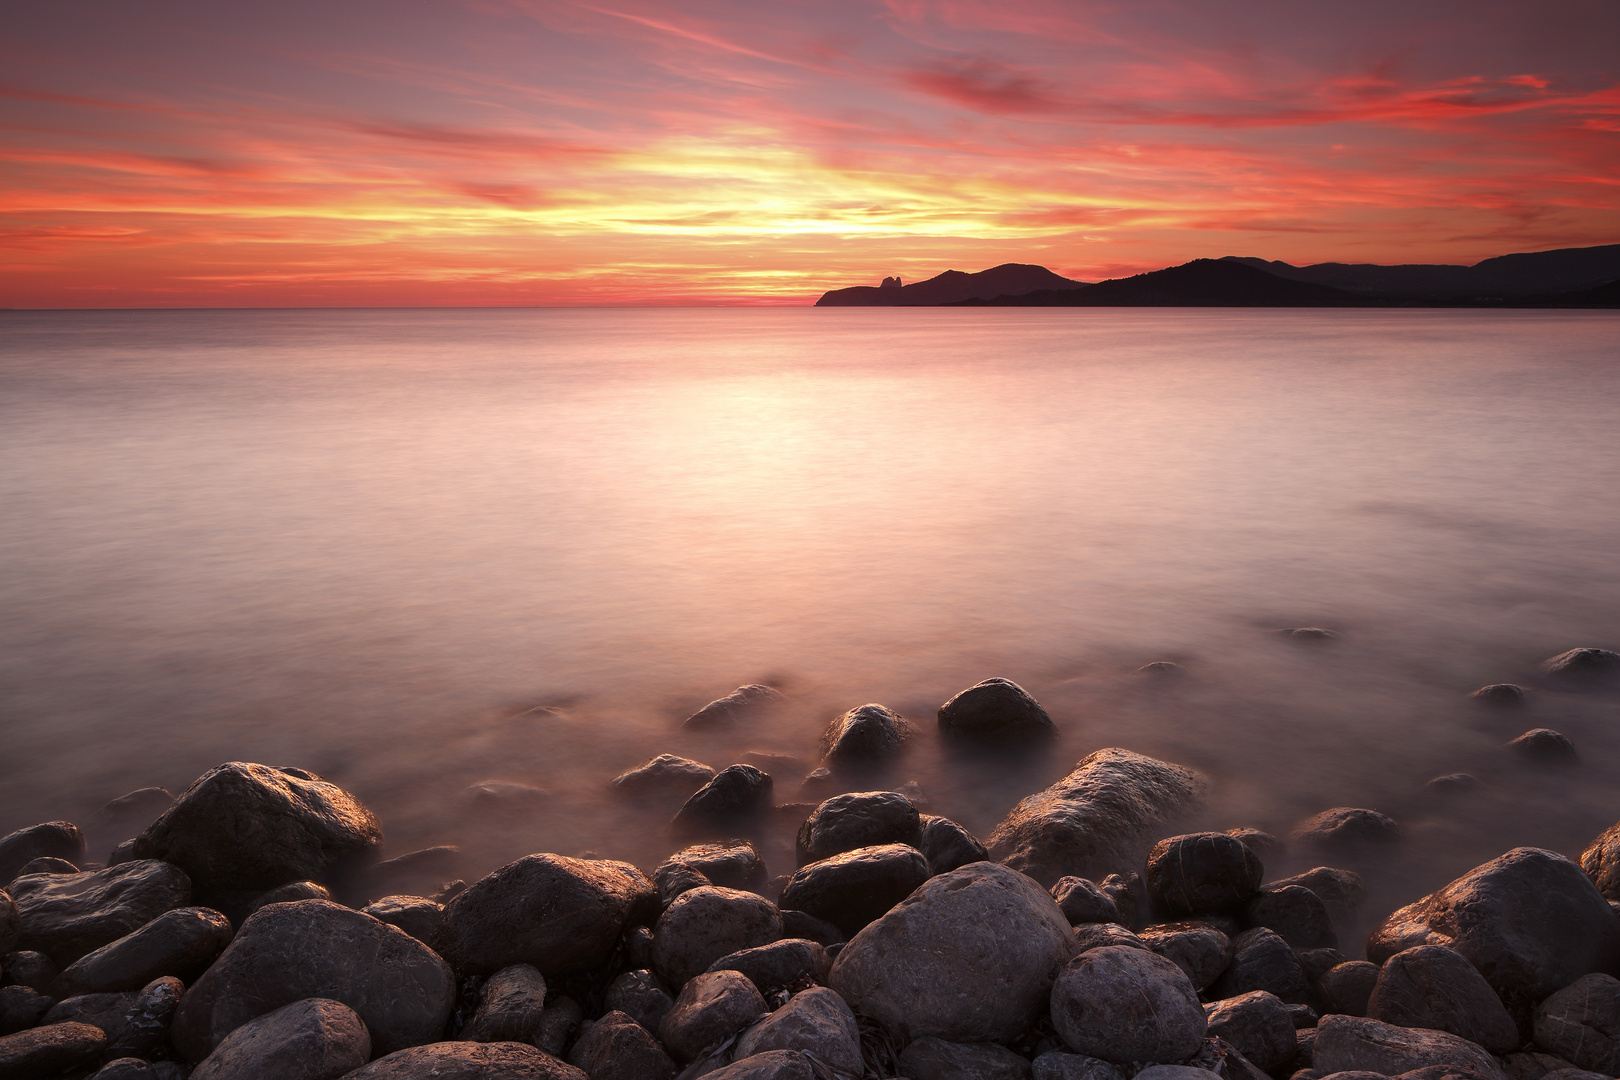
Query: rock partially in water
[[1098, 820], [1263, 844], [510, 1004], [1544, 746], [47, 864], [1530, 921], [640, 995], [858, 819], [414, 873], [1453, 784], [1263, 961], [1296, 914], [711, 1007], [468, 1061], [558, 914], [418, 916], [1198, 949], [852, 889], [741, 704], [136, 810], [781, 963], [1499, 695], [312, 1039], [1346, 1043], [1347, 829], [705, 924], [816, 1021], [1082, 902], [998, 710], [52, 839], [864, 738], [930, 1058], [1258, 1025], [50, 1050], [182, 942], [1431, 986], [1583, 667], [665, 775], [948, 846], [738, 797], [1581, 1023], [970, 955], [1127, 1005], [1201, 873], [70, 915], [1346, 988], [1308, 635], [618, 1047]]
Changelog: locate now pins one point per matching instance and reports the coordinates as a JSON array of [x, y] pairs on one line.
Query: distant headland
[[1567, 278]]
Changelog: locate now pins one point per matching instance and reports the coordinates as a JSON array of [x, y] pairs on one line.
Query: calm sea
[[415, 551]]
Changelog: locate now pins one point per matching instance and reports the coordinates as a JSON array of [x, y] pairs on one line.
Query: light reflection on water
[[368, 543]]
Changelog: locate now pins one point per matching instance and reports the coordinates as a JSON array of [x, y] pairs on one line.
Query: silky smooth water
[[373, 543]]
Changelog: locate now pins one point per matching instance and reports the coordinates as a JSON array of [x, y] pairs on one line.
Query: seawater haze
[[418, 550]]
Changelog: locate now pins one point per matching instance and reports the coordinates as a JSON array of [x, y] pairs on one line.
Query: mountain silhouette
[[1008, 279], [1506, 276], [1200, 283]]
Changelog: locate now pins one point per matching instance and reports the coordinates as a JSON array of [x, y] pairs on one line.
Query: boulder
[[1544, 746], [1199, 873], [781, 963], [1501, 695], [665, 775], [146, 1023], [711, 1007], [312, 1039], [69, 915], [32, 969], [1263, 961], [53, 839], [47, 864], [816, 1021], [1082, 902], [10, 924], [182, 942], [1346, 988], [738, 797], [1347, 829], [1531, 1064], [1581, 1023], [1295, 914], [1341, 891], [241, 829], [126, 1068], [1060, 1065], [852, 889], [1530, 921], [705, 924], [1127, 1005], [771, 1065], [557, 914], [418, 916], [1098, 935], [1345, 1043], [855, 820], [1454, 784], [287, 894], [1128, 895], [21, 1007], [558, 1024], [315, 948], [1431, 986], [930, 1058], [1100, 819], [801, 924], [50, 1050], [468, 1061], [1601, 861], [737, 705], [108, 1012], [1263, 844], [640, 995], [864, 738], [1583, 667], [970, 955], [948, 846], [730, 864], [1200, 950], [617, 1047], [510, 1004], [1258, 1025], [995, 709]]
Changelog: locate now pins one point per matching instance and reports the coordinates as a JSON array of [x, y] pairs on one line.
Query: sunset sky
[[171, 153]]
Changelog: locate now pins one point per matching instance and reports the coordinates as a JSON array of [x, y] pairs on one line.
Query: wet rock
[[1303, 1016], [1434, 987], [182, 942], [995, 709], [315, 948], [1296, 914], [1175, 1072], [1347, 987], [1347, 829], [637, 945], [865, 737], [1082, 902], [1099, 935], [948, 846], [771, 1065], [1128, 895], [1581, 1023], [617, 1047], [313, 1039], [47, 1051], [10, 924], [730, 864], [510, 1004], [852, 889], [418, 916], [856, 820], [1263, 844], [1576, 1074], [1318, 962], [1257, 1024], [781, 963], [816, 1021], [970, 955], [290, 893], [506, 796], [665, 775], [641, 995], [1263, 961], [48, 865], [1530, 921], [1499, 694], [1127, 1005], [242, 829], [711, 1007], [1601, 861], [145, 1031], [1340, 890], [105, 1011], [557, 914], [1162, 669], [126, 1068], [468, 1061], [1100, 819], [32, 969], [705, 924], [1199, 950], [1531, 1064], [1345, 1043], [1060, 1065], [1454, 784], [69, 915], [737, 797], [53, 839], [1308, 635], [1545, 747], [674, 878], [737, 705], [1201, 872], [558, 1025], [1583, 667], [930, 1058], [801, 924], [21, 1007]]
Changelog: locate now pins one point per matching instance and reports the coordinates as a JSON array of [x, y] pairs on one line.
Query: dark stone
[[1128, 895], [1258, 1025], [313, 1039], [1581, 1023], [146, 1023], [21, 1007], [1198, 949], [510, 1004], [617, 1047], [1341, 891], [1263, 961], [1127, 1005], [54, 839], [1083, 902], [241, 829], [1345, 1043], [1308, 635], [415, 873], [1530, 921], [1201, 872], [138, 808], [1499, 694], [182, 942], [46, 1051], [771, 1065], [69, 915], [1531, 1064], [123, 852], [1544, 746], [637, 942], [1302, 1016], [781, 963], [930, 1058], [971, 954], [290, 893], [559, 1024], [1454, 784], [1263, 844], [852, 889], [814, 1021], [32, 969], [674, 878], [1347, 829], [1430, 986], [737, 705], [560, 915], [315, 948], [711, 1007], [864, 738], [48, 865], [730, 864], [1098, 935], [105, 1011], [738, 796], [10, 924], [665, 775], [1347, 987], [948, 846], [801, 924], [1297, 915], [705, 924], [641, 995], [1061, 1065], [126, 1068], [856, 820], [418, 916], [1583, 667], [468, 1061], [1318, 962], [1100, 819], [995, 709]]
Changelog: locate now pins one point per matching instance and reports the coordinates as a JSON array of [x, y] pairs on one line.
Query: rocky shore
[[252, 929]]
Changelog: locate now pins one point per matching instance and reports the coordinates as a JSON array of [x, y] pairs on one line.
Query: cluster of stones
[[244, 933]]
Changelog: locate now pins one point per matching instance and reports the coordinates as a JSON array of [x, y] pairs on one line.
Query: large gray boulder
[[182, 942], [1581, 1023], [1356, 1044], [864, 738], [557, 914], [1098, 820], [704, 924], [50, 840], [67, 916], [1201, 873], [315, 948], [815, 1020], [1125, 1005], [1431, 986], [851, 889], [858, 819], [242, 829], [969, 956], [468, 1061], [313, 1039], [996, 709], [1530, 921]]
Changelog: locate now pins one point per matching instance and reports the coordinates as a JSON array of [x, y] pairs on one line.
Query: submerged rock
[[418, 916], [1347, 828], [1127, 1005], [666, 775], [858, 819], [1583, 667], [738, 797], [1544, 746], [865, 737], [737, 705], [1502, 694], [998, 709]]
